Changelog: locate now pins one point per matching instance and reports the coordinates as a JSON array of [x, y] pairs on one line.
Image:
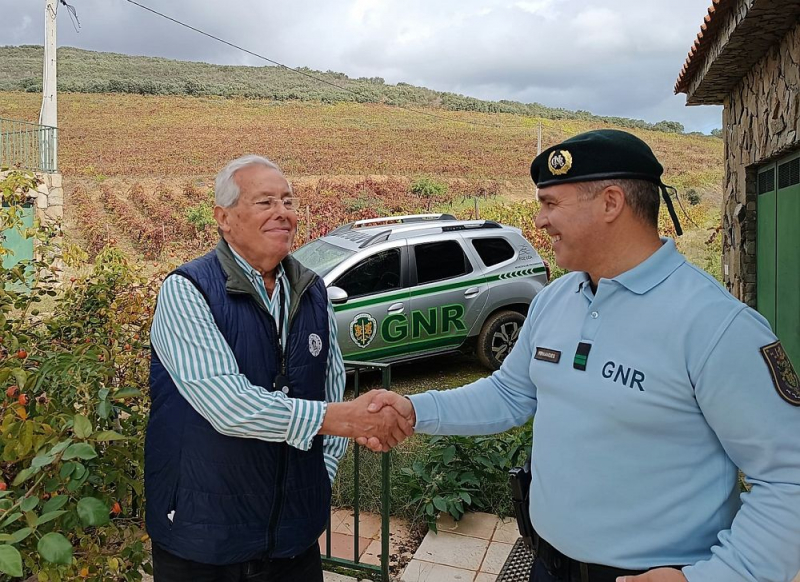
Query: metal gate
[[381, 572]]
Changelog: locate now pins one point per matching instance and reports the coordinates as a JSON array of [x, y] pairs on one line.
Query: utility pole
[[538, 151], [48, 114]]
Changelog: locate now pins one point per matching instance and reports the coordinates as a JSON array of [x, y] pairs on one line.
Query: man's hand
[[380, 430], [657, 575], [382, 399]]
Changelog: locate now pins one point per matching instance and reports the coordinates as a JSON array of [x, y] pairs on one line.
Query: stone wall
[[762, 122], [49, 197]]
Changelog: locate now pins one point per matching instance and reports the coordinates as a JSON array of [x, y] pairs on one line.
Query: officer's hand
[[380, 431], [657, 575], [381, 400]]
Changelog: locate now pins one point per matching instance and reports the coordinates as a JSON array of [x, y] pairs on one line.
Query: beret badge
[[559, 162]]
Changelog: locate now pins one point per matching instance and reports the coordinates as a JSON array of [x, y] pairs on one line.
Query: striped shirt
[[204, 369]]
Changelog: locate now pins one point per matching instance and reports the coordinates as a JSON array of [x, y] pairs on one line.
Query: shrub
[[428, 188], [693, 197], [72, 412], [462, 473]]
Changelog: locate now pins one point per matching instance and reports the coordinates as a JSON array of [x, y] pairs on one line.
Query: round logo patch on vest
[[559, 162], [363, 329], [314, 344]]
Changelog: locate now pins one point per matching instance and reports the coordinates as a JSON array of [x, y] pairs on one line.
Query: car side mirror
[[337, 295]]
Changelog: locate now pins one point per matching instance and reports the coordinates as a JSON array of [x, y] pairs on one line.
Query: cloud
[[610, 57]]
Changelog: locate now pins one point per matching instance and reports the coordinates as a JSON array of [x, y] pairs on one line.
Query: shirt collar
[[252, 273], [653, 269], [649, 272]]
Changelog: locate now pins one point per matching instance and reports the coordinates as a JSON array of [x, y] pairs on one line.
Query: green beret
[[596, 155], [601, 155]]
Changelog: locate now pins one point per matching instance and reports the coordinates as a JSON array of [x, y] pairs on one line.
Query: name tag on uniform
[[547, 355]]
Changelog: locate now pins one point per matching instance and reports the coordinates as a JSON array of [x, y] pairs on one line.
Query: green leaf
[[465, 496], [29, 503], [448, 454], [10, 519], [82, 426], [79, 472], [60, 447], [92, 511], [10, 560], [67, 469], [20, 535], [24, 475], [21, 376], [81, 451], [439, 503], [49, 516], [103, 393], [55, 548], [55, 503], [126, 393], [108, 435], [42, 460], [104, 409]]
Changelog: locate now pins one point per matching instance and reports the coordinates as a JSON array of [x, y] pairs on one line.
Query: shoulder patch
[[783, 375]]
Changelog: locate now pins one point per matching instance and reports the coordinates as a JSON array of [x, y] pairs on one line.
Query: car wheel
[[498, 336]]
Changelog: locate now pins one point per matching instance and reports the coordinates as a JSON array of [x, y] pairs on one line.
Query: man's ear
[[221, 216], [613, 203]]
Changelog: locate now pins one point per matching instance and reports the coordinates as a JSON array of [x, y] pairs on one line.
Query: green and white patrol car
[[407, 287]]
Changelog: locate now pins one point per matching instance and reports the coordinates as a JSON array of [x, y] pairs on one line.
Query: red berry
[[3, 486], [23, 399], [22, 354], [12, 391]]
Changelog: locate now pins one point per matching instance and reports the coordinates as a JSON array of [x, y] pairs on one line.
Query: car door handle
[[396, 308], [471, 292]]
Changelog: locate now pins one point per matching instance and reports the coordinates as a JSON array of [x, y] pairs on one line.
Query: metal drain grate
[[518, 565]]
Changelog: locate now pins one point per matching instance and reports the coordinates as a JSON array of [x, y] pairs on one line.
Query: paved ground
[[471, 550]]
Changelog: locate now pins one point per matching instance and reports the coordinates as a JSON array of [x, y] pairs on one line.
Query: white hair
[[226, 190]]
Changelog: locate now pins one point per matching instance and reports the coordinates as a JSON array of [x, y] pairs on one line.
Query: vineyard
[[139, 169], [174, 224]]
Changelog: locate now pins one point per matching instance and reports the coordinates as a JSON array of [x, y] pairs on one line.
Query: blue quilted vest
[[238, 499]]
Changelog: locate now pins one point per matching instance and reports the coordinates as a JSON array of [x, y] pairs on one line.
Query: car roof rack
[[405, 219], [484, 224]]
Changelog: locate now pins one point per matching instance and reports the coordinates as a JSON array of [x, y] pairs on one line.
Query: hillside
[[83, 71], [135, 135]]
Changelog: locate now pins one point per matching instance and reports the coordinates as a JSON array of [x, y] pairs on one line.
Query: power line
[[310, 76]]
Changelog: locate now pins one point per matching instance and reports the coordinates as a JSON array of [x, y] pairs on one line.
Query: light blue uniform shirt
[[635, 459], [204, 369]]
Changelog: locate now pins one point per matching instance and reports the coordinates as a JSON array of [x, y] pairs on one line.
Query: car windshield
[[320, 256]]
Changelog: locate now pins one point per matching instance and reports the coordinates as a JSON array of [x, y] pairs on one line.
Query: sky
[[609, 57]]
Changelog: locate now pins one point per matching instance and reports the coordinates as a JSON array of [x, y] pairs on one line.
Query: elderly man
[[246, 379], [649, 386]]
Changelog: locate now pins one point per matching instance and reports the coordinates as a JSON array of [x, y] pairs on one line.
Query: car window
[[440, 260], [493, 250], [320, 256], [375, 274]]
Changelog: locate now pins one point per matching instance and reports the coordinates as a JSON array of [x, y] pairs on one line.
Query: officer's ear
[[613, 202]]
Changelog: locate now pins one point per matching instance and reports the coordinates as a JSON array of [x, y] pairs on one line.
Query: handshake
[[378, 420]]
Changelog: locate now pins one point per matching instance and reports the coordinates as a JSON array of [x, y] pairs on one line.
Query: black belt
[[568, 570]]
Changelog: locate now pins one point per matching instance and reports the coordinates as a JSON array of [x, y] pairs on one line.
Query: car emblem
[[363, 329], [559, 162], [314, 344]]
